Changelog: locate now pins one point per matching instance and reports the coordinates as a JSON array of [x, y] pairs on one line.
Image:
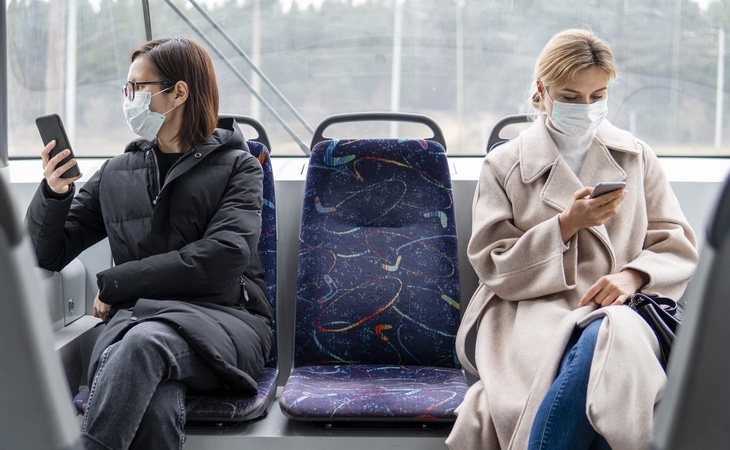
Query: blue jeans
[[561, 421], [137, 399]]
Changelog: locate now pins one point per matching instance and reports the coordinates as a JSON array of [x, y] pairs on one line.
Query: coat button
[[198, 155], [133, 318]]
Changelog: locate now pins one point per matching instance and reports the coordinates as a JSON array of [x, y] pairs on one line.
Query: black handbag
[[663, 315]]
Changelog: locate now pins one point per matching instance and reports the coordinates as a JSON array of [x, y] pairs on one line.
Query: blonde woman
[[562, 364]]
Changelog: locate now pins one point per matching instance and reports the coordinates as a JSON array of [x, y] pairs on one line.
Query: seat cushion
[[219, 406], [373, 393], [81, 399], [230, 406]]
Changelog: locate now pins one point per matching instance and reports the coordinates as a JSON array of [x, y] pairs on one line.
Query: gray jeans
[[137, 399]]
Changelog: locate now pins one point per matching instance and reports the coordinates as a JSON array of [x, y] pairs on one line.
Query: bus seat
[[226, 406], [495, 136], [32, 381], [377, 304], [693, 413]]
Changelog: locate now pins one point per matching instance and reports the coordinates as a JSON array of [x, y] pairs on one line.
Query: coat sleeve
[[669, 256], [204, 267], [513, 263], [62, 227]]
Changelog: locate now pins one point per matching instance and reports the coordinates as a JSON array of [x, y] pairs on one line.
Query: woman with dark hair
[[181, 207]]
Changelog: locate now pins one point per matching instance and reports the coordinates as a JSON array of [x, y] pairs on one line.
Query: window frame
[[3, 92]]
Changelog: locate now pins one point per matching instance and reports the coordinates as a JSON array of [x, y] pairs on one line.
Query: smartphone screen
[[51, 128], [606, 187]]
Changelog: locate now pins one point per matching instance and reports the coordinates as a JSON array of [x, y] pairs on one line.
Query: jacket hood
[[227, 135]]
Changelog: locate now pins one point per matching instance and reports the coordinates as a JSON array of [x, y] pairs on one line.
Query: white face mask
[[140, 118], [577, 119]]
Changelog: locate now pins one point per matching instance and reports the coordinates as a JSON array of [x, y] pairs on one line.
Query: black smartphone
[[606, 187], [51, 128]]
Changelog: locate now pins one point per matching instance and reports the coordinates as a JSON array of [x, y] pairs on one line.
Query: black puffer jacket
[[184, 252]]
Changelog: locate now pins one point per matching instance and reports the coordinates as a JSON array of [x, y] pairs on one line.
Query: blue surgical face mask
[[577, 119], [140, 118]]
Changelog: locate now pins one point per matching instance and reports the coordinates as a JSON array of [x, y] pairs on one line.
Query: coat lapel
[[539, 154], [599, 165]]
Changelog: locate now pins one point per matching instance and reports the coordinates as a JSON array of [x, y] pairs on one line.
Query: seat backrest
[[694, 413], [268, 239], [495, 135], [36, 407], [378, 278], [260, 147]]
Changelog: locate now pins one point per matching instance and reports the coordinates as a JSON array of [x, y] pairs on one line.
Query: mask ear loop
[[157, 93], [547, 94], [165, 113]]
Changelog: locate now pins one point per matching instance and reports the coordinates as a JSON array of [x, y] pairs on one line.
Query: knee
[[591, 331], [584, 348], [147, 338]]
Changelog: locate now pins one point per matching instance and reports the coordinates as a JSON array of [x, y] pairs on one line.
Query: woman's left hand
[[614, 289]]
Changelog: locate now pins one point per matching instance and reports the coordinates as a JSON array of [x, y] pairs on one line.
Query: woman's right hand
[[585, 212], [52, 172], [100, 309]]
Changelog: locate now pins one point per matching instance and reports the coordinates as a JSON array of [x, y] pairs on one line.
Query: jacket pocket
[[253, 299]]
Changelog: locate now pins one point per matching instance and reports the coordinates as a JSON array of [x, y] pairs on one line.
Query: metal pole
[[396, 67], [459, 73], [253, 65], [55, 68], [70, 91], [720, 86], [147, 19], [3, 88], [674, 74], [256, 55], [238, 74]]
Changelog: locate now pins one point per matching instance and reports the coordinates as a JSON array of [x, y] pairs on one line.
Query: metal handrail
[[253, 65], [495, 140], [438, 135], [240, 76], [263, 136]]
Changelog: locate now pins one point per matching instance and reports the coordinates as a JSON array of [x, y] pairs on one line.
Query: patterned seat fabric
[[366, 391], [378, 281], [268, 239], [231, 406]]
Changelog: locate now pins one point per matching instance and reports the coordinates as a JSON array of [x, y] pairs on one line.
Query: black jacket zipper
[[244, 288], [156, 170]]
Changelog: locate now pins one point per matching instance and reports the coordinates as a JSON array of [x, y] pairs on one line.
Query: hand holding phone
[[51, 129], [59, 165], [606, 187], [584, 213]]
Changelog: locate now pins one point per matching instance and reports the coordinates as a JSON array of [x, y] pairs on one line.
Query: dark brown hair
[[182, 59]]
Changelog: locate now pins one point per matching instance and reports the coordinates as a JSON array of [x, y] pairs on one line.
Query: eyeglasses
[[130, 87]]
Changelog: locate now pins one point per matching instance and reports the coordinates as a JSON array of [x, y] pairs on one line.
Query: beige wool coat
[[521, 316]]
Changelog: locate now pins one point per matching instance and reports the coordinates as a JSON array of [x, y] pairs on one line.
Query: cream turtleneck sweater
[[572, 149]]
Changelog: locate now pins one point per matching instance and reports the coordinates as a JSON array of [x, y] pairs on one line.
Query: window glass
[[465, 63], [70, 57]]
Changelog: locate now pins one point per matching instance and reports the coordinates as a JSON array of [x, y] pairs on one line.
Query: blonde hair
[[565, 54]]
